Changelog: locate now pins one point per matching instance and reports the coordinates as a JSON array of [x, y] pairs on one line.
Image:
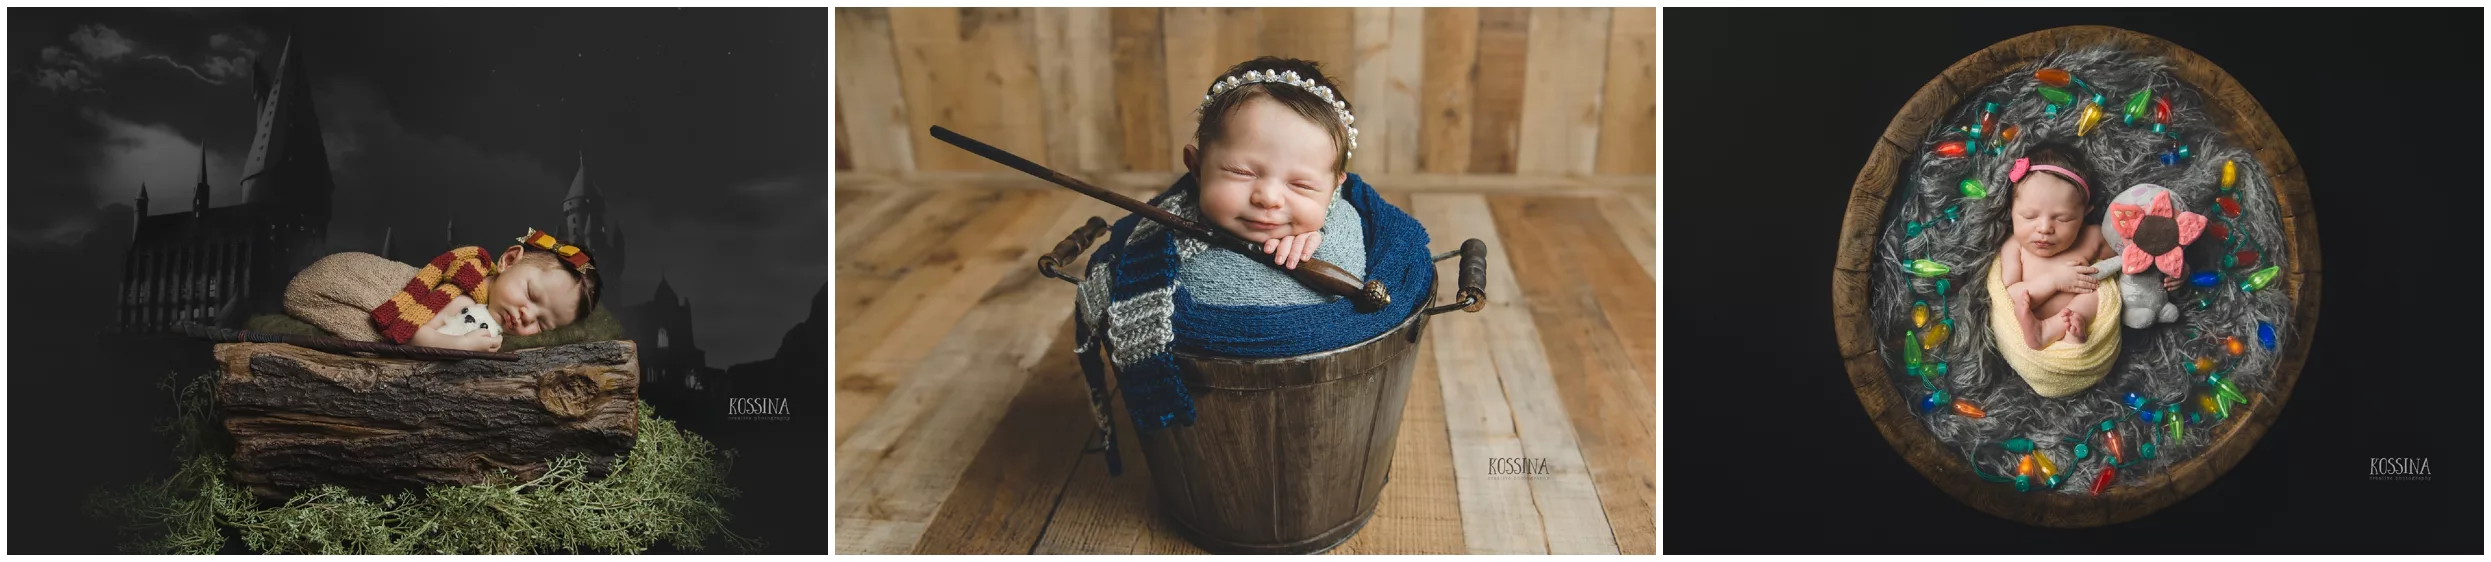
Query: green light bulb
[[2259, 280], [2057, 96], [2136, 104], [1911, 352]]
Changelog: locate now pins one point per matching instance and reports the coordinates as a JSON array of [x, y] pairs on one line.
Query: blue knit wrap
[[1154, 394]]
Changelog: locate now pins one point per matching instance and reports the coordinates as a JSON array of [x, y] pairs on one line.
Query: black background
[[1768, 116]]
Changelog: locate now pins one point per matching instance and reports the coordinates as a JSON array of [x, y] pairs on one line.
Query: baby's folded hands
[[1289, 250]]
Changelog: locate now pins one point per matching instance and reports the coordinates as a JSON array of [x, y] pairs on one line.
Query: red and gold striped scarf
[[460, 271]]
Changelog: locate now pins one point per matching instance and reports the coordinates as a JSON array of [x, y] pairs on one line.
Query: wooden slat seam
[[1060, 491], [1367, 452], [1514, 425], [1192, 497], [1271, 447]]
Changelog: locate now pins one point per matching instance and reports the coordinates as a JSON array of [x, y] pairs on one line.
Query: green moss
[[600, 325], [667, 488]]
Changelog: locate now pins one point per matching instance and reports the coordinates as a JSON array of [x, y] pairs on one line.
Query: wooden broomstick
[[1316, 274], [337, 345]]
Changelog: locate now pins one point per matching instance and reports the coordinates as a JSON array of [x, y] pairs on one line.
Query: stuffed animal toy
[[2148, 234], [474, 317]]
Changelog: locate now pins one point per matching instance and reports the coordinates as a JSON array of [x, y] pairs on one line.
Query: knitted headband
[[573, 256], [2025, 165], [1223, 85]]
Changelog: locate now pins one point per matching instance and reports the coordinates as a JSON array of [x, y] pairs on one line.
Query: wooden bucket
[[2243, 122], [1288, 455]]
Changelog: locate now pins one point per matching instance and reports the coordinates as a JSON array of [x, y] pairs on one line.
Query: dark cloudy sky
[[707, 130]]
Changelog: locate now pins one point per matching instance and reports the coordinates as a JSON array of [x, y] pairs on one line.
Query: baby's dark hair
[[2064, 156], [591, 284], [1211, 122]]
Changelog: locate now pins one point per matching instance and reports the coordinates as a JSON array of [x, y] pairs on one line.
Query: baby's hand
[[2172, 282], [2078, 279], [1290, 250], [479, 340], [430, 335]]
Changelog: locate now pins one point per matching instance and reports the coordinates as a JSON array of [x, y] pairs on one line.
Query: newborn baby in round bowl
[[2049, 262]]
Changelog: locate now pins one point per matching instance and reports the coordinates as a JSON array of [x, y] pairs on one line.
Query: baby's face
[[2047, 210], [529, 298], [1270, 175]]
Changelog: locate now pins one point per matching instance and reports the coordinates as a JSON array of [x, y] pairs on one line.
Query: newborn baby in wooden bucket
[[1269, 165]]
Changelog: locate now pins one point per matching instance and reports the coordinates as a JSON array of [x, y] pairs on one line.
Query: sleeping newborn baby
[[1269, 160], [2046, 263]]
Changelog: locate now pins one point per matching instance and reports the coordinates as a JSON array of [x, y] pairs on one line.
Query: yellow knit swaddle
[[2063, 368]]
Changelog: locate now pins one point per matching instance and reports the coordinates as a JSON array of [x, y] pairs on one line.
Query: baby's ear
[[1193, 160], [510, 256]]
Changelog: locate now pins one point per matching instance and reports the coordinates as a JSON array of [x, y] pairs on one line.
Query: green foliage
[[283, 324], [667, 488], [600, 325]]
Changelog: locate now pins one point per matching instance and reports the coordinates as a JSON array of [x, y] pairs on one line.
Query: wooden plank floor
[[961, 413]]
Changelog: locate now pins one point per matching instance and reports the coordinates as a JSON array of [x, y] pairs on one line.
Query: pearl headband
[[1290, 77]]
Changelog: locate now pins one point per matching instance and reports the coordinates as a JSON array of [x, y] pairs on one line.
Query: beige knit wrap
[[339, 292]]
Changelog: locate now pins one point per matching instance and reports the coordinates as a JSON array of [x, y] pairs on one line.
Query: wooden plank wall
[[1533, 91]]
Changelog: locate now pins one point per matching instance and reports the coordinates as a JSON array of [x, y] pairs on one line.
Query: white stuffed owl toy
[[474, 317]]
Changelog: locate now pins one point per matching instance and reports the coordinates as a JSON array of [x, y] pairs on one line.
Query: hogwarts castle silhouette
[[214, 265]]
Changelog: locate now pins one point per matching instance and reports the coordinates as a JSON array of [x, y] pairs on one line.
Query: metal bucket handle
[[1472, 289], [1474, 278]]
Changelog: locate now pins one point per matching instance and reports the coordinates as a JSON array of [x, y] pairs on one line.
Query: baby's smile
[[1270, 175]]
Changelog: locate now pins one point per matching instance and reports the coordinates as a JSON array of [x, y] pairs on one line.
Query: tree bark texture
[[302, 418]]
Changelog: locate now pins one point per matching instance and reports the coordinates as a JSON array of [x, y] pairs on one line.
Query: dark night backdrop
[[1769, 116], [706, 130]]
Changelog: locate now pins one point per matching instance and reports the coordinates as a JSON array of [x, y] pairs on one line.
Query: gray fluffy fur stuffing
[[2151, 361]]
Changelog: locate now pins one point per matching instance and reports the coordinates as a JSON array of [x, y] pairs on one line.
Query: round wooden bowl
[[2243, 122]]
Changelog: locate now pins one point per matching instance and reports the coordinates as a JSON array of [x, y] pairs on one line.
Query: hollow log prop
[[302, 418], [1322, 276]]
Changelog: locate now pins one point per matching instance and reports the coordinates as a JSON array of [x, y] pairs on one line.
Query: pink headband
[[2025, 165]]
